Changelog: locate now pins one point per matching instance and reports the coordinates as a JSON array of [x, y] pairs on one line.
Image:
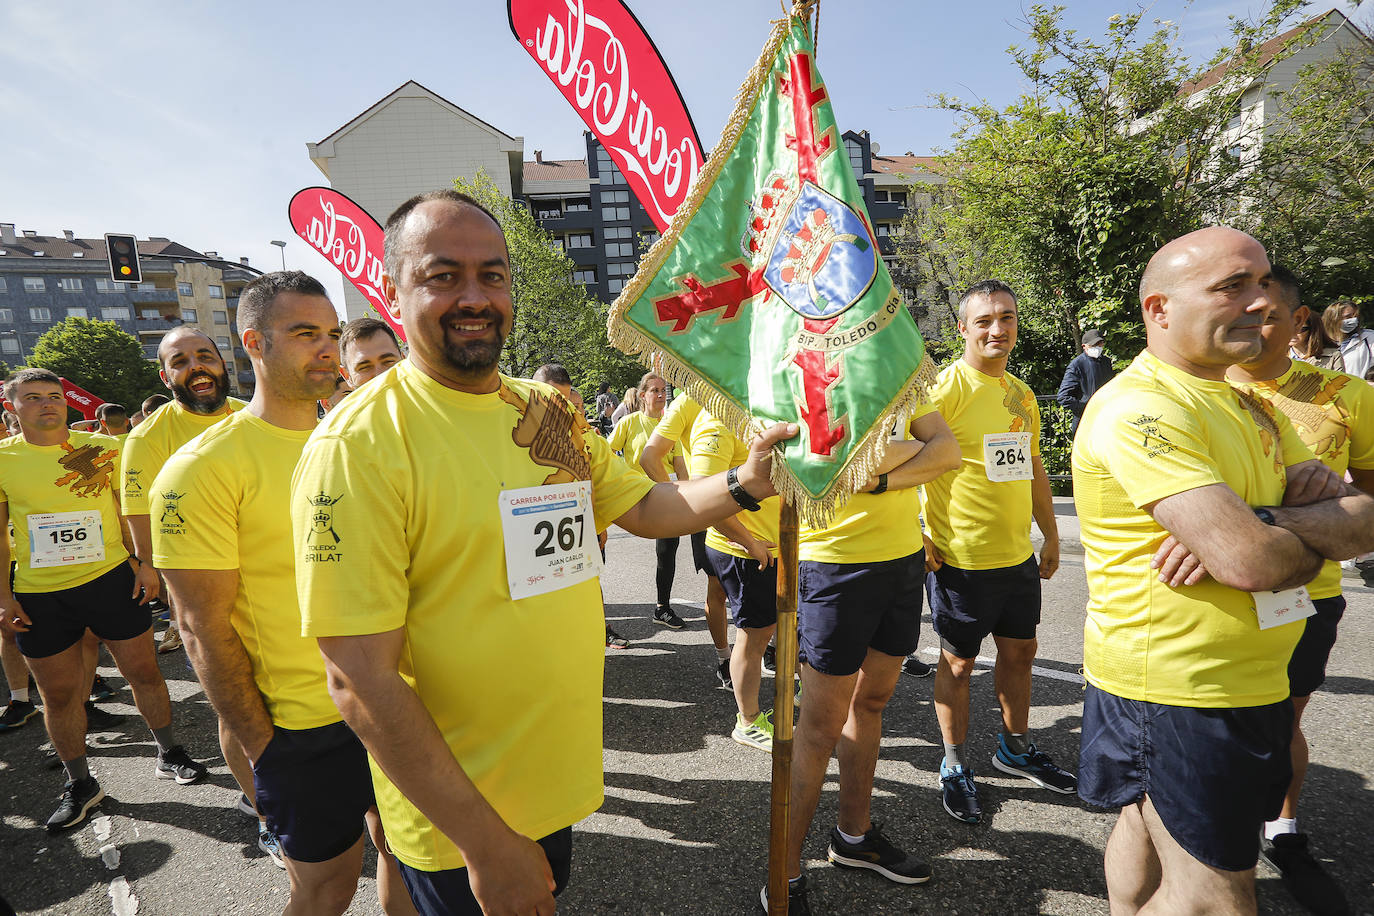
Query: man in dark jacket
[[1088, 371]]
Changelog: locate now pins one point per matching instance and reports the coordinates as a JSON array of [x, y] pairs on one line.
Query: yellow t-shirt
[[974, 522], [1152, 432], [714, 448], [869, 528], [152, 442], [223, 501], [678, 417], [1333, 413], [630, 436], [399, 486], [75, 477]]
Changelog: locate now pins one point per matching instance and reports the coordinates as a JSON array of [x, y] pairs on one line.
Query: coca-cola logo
[[81, 399], [598, 55], [348, 236]]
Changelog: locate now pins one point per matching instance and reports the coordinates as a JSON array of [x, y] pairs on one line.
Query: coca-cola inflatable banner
[[599, 57], [348, 236], [80, 399]]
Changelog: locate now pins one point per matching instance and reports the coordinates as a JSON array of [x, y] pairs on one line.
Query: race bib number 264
[[550, 537]]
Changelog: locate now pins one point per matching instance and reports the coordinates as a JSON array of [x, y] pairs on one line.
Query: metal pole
[[780, 807]]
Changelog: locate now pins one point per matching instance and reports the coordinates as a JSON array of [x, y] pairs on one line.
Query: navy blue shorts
[[845, 609], [1214, 775], [699, 558], [447, 892], [313, 787], [101, 605], [968, 605], [751, 593], [1307, 667]]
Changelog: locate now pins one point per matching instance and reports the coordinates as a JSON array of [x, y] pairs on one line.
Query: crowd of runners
[[347, 563]]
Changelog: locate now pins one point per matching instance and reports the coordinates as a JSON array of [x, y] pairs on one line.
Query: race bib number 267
[[550, 537]]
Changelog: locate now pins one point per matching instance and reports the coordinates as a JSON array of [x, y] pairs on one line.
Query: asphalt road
[[684, 828]]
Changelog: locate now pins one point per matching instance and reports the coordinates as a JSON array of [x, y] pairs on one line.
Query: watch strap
[[740, 494]]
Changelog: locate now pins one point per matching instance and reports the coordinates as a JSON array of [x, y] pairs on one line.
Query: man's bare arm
[[1235, 547], [937, 454], [204, 600], [1338, 529], [138, 540], [1042, 509], [508, 872], [651, 459], [1363, 478]]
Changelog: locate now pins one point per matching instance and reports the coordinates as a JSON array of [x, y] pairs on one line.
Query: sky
[[189, 119]]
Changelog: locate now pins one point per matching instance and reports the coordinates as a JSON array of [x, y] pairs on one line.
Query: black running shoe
[[1036, 766], [78, 798], [101, 690], [1303, 875], [796, 898], [770, 659], [614, 640], [667, 617], [959, 795], [723, 680], [16, 714], [914, 666], [876, 852], [177, 764]]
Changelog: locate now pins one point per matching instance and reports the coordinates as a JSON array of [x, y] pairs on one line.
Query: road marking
[[983, 661]]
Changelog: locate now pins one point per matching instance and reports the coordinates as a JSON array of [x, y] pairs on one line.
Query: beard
[[208, 402], [478, 356]]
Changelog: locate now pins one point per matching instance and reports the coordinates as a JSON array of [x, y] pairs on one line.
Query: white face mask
[[1350, 325], [1093, 352]]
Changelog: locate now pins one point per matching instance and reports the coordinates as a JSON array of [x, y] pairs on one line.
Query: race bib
[[1277, 608], [550, 537], [1007, 456], [65, 539]]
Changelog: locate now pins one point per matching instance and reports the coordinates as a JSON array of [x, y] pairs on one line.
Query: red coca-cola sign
[[80, 399], [348, 236], [599, 57]]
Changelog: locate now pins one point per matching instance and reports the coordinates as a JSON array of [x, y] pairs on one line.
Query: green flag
[[767, 298]]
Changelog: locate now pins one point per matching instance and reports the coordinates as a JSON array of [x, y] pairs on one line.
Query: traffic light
[[123, 258]]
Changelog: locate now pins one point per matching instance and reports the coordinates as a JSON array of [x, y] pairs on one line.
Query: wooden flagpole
[[786, 666]]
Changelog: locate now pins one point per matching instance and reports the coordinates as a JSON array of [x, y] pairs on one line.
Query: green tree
[[1315, 206], [100, 357], [1066, 192], [555, 320]]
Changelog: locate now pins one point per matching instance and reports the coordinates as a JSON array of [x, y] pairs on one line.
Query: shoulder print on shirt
[[1018, 403], [1153, 440], [547, 428], [89, 469], [1312, 406], [1262, 412]]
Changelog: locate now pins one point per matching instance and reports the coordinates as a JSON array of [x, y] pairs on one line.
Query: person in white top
[[1342, 321]]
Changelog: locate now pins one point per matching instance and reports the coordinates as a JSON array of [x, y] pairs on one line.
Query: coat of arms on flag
[[767, 298]]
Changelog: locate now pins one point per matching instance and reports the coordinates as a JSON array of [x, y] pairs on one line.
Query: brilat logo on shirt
[[322, 542], [171, 519], [1154, 442]]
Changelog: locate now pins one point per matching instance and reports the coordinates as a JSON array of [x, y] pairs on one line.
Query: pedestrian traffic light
[[123, 258]]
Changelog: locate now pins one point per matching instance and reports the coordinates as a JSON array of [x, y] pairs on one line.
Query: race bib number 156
[[65, 539], [550, 537]]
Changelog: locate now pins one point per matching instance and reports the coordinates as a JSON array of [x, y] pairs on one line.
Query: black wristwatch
[[1266, 516], [740, 494], [882, 485]]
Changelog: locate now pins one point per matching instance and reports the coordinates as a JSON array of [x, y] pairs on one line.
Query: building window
[[108, 286], [76, 313], [35, 285], [3, 285], [585, 275], [216, 292], [222, 343], [615, 214], [115, 313], [856, 156], [6, 316], [618, 232], [580, 240], [620, 250], [622, 269], [548, 210], [615, 197], [577, 204], [183, 289], [556, 243], [189, 315], [884, 229], [220, 317], [40, 314], [648, 239], [70, 284], [614, 286], [9, 345], [150, 351], [899, 198]]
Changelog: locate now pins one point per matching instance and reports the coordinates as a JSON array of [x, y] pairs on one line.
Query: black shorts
[[967, 605], [845, 609], [102, 605], [751, 593], [1307, 667], [313, 787], [1214, 775], [699, 558], [447, 892]]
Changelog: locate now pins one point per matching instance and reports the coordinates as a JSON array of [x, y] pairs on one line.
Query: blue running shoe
[[959, 795], [1036, 766]]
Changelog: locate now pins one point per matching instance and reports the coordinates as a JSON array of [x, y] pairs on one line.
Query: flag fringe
[[868, 455]]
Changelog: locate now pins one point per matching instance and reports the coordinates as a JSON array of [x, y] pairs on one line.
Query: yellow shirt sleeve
[[1291, 446], [1152, 446], [620, 434], [713, 447], [1361, 400], [202, 508], [136, 458]]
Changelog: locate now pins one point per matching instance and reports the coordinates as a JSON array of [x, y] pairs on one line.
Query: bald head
[[179, 338], [1186, 252]]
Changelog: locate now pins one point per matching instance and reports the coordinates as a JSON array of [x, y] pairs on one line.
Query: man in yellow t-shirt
[[1333, 413], [858, 615], [114, 420], [673, 433], [443, 514], [1196, 500], [983, 578], [75, 573], [223, 542], [367, 348]]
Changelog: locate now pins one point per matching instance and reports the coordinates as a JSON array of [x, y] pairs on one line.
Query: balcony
[[151, 296], [158, 322], [246, 377], [241, 354]]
